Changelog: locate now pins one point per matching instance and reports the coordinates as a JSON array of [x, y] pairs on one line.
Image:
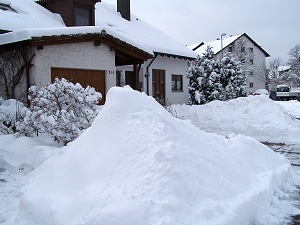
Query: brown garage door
[[93, 78]]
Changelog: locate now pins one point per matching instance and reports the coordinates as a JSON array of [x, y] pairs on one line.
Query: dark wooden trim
[[174, 56], [102, 37]]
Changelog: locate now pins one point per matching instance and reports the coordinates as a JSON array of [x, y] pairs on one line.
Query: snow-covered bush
[[62, 109], [204, 78], [233, 78], [211, 79], [9, 113], [6, 124]]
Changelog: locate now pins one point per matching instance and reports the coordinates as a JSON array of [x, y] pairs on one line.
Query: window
[[251, 61], [251, 73], [229, 49], [82, 15], [250, 85], [243, 49], [176, 82], [250, 50], [243, 61]]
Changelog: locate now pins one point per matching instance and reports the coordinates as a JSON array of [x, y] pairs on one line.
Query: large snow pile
[[137, 164], [256, 116]]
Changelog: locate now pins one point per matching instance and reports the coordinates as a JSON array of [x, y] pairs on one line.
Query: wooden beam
[[136, 77]]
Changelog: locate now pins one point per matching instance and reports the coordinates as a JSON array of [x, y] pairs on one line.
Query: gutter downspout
[[147, 72]]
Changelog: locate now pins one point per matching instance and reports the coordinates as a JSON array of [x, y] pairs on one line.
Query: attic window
[[82, 15], [5, 7]]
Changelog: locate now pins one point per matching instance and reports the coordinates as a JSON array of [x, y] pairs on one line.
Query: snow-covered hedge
[[61, 109]]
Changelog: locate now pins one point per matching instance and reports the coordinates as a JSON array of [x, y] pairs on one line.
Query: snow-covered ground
[[137, 164], [255, 116]]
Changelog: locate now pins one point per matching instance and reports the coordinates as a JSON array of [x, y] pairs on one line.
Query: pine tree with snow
[[204, 78], [61, 109], [233, 78]]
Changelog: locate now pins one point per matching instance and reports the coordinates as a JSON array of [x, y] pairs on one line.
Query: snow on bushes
[[9, 111], [61, 109], [211, 79]]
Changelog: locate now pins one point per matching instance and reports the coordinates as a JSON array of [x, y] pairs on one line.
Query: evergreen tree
[[233, 78], [210, 79], [204, 78]]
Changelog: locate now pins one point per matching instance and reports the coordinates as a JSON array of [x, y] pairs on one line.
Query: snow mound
[[255, 116], [137, 164]]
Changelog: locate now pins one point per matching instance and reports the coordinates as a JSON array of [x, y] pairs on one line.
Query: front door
[[158, 86]]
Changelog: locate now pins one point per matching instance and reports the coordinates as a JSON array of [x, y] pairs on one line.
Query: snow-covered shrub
[[204, 78], [9, 113], [233, 78], [62, 109], [211, 79], [6, 124]]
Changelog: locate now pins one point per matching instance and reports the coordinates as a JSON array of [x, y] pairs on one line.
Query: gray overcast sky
[[273, 24]]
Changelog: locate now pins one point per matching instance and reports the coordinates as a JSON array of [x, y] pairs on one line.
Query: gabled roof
[[216, 45], [141, 32], [27, 14]]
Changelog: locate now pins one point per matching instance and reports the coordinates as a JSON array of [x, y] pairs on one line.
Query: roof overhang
[[174, 56], [125, 53]]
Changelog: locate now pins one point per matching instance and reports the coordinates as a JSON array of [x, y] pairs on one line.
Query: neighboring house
[[245, 49], [100, 53]]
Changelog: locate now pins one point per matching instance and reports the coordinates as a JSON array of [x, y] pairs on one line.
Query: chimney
[[123, 6]]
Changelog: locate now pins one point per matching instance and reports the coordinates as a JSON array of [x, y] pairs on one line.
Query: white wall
[[77, 55], [171, 66]]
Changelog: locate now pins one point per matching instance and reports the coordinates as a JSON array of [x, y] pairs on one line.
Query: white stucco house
[[94, 45], [244, 48]]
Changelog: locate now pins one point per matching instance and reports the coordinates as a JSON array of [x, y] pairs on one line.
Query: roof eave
[[174, 56]]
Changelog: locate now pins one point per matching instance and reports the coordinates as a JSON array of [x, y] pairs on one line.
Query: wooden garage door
[[93, 78]]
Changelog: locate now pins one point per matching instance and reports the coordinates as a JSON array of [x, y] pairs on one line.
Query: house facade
[[164, 75], [245, 49], [99, 48]]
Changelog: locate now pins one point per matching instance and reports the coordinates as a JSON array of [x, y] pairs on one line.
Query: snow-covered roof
[[27, 14], [216, 45], [28, 34], [140, 32]]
